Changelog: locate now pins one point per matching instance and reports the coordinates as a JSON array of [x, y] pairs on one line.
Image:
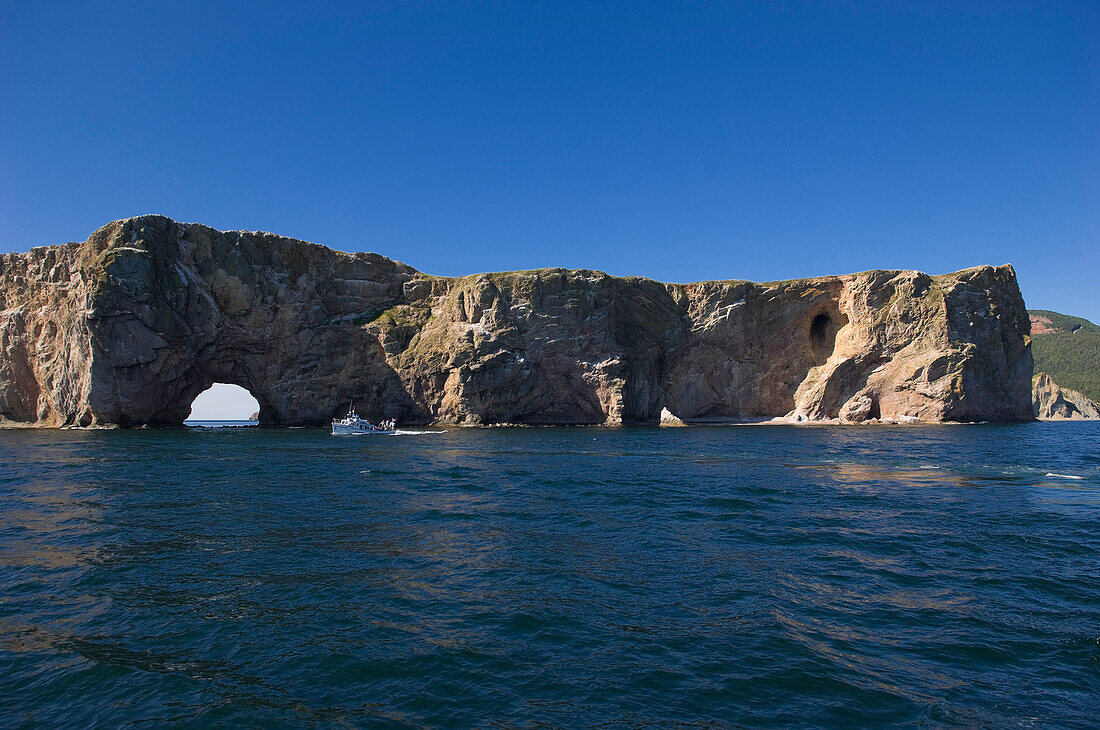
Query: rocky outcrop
[[667, 419], [1052, 403], [129, 326]]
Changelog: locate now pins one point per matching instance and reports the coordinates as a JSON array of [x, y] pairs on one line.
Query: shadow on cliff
[[177, 307]]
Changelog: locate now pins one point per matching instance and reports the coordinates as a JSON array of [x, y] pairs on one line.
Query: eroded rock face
[[1053, 403], [129, 326]]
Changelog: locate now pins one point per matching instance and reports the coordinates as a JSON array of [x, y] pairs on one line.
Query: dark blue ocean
[[764, 576]]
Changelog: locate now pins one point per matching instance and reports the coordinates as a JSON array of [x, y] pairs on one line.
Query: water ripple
[[704, 577]]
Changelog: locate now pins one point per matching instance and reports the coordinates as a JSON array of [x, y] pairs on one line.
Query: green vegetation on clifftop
[[1069, 349]]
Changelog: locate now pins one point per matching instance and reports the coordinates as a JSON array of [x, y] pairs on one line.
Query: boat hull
[[341, 430]]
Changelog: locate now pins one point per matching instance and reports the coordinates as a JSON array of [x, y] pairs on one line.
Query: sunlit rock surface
[[129, 326], [1053, 403]]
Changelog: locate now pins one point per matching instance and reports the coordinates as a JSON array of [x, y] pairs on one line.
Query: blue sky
[[680, 141]]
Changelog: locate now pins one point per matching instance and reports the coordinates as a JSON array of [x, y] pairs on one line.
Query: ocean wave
[[1062, 476]]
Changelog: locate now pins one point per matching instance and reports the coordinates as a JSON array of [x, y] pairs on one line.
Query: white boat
[[352, 424]]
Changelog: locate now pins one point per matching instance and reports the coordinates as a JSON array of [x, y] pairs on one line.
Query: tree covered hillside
[[1068, 348]]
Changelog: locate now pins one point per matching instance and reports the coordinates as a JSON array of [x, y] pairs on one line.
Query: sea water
[[722, 576]]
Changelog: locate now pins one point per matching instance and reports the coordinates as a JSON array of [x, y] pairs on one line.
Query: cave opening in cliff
[[823, 330], [224, 402]]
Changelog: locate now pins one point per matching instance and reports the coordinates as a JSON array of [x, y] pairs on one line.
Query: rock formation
[[669, 420], [129, 326], [1052, 403]]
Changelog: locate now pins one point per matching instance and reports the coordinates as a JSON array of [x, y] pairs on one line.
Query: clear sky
[[223, 402], [680, 140]]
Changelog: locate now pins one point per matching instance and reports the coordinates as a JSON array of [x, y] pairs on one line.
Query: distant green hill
[[1069, 349]]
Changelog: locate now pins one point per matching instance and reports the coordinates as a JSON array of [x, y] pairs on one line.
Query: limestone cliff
[[129, 326], [1053, 403]]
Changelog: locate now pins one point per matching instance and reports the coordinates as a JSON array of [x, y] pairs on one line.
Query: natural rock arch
[[282, 319], [129, 326]]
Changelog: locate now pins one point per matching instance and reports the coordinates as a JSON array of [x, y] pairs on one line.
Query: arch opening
[[224, 402]]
